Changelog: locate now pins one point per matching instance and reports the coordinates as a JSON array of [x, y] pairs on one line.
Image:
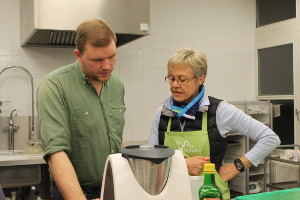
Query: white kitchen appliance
[[255, 187], [146, 172]]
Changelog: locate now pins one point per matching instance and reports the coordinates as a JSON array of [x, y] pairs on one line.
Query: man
[[81, 113]]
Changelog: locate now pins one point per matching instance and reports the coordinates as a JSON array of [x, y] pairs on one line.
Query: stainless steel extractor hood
[[52, 23]]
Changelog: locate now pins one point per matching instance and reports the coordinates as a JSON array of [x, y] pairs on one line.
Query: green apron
[[194, 143]]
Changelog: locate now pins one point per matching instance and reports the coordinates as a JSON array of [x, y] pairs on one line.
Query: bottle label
[[211, 199]]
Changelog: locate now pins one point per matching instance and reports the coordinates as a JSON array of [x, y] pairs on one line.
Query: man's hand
[[195, 164]]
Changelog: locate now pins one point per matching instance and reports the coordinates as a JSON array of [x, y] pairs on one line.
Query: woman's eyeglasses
[[181, 80]]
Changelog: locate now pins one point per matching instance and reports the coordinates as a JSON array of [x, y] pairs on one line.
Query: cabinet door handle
[[297, 114]]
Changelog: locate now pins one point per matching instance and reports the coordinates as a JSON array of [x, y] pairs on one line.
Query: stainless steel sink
[[20, 169], [11, 152]]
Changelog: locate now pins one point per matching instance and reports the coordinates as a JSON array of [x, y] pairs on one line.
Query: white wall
[[223, 30]]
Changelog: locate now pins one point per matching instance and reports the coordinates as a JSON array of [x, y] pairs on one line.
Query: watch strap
[[239, 165]]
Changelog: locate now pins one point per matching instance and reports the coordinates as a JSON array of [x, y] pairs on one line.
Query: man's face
[[97, 63]]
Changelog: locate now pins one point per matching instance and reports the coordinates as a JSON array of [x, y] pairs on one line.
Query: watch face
[[239, 165]]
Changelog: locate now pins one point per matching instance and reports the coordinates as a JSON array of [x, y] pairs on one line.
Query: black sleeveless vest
[[218, 144]]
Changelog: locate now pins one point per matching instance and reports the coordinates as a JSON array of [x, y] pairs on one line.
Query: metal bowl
[[150, 165]]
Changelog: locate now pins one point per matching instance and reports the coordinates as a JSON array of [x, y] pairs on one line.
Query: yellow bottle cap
[[209, 168]]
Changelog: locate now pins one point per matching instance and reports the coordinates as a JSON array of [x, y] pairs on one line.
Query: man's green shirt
[[74, 119]]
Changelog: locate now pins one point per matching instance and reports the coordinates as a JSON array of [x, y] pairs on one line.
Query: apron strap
[[204, 122], [169, 124]]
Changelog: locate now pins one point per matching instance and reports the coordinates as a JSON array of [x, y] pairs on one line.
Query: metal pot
[[150, 165]]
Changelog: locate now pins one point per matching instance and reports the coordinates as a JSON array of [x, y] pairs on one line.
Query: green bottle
[[209, 190]]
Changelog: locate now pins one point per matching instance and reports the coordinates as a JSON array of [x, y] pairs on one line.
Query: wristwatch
[[239, 165]]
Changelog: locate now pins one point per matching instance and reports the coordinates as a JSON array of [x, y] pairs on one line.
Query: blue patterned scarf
[[183, 111]]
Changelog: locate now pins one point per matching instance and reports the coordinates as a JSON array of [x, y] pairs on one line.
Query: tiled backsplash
[[142, 70]]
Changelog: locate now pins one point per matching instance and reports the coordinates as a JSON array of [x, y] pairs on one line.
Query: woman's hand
[[195, 164], [228, 172]]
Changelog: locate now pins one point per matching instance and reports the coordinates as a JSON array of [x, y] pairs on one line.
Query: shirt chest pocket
[[85, 121], [116, 119]]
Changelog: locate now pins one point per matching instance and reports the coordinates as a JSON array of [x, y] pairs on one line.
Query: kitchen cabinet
[[238, 145]]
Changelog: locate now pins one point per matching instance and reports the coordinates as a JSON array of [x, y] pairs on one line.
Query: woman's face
[[184, 92]]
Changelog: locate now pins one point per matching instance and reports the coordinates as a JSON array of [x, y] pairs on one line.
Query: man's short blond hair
[[95, 32]]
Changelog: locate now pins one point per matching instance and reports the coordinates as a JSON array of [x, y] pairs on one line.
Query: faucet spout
[[31, 134], [14, 112]]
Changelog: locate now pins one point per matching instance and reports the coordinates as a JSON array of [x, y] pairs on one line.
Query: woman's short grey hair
[[192, 57]]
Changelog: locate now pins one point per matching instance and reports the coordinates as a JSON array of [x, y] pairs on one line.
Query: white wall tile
[[223, 30]]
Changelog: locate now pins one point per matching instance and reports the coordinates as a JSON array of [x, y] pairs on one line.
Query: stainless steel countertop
[[32, 159]]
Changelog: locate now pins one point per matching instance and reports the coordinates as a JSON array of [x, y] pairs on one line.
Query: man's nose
[[106, 64]]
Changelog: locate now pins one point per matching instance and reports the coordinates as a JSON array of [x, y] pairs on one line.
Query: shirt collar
[[80, 72]]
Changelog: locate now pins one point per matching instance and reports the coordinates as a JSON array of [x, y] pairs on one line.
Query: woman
[[197, 124]]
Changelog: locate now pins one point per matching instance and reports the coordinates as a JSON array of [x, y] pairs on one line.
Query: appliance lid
[[53, 23], [153, 153]]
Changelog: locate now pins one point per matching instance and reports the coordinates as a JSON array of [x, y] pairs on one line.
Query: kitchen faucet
[[11, 130], [31, 134]]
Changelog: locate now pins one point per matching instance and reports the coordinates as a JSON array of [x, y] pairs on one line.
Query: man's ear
[[77, 54]]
